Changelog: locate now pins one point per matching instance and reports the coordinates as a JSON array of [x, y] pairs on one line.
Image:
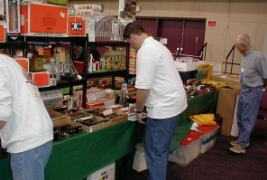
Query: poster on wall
[[127, 10]]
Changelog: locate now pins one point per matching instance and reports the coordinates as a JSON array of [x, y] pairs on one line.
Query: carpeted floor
[[220, 164]]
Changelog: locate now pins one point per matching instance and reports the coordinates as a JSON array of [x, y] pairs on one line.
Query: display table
[[76, 157]]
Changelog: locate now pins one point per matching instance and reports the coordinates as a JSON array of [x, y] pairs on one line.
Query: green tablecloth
[[78, 156]]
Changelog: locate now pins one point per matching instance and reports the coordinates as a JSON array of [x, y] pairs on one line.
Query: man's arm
[[265, 84], [2, 124], [141, 97]]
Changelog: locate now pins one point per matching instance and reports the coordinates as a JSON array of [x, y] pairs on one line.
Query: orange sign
[[44, 19], [76, 26], [2, 34]]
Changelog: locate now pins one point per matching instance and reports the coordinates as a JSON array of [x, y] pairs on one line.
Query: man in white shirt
[[160, 89], [26, 129]]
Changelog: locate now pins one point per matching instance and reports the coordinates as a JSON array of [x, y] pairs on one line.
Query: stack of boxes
[[132, 62]]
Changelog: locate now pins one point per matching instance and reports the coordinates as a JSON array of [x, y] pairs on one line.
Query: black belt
[[247, 87]]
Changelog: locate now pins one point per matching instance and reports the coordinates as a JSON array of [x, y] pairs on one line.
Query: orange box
[[76, 26], [95, 104], [24, 62], [43, 19], [40, 79], [2, 33]]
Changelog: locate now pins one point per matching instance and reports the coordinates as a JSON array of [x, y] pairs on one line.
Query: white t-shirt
[[156, 72], [28, 124]]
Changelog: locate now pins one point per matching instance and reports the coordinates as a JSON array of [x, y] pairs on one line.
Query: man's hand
[[139, 117], [2, 124]]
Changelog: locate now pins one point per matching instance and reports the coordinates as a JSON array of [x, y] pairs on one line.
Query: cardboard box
[[231, 81], [76, 26], [226, 108], [40, 79], [2, 33], [24, 63], [43, 19]]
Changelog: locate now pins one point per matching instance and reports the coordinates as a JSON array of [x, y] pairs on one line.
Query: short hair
[[243, 39], [133, 28]]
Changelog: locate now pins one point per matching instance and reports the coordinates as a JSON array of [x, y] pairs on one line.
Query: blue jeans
[[248, 107], [158, 137], [29, 165]]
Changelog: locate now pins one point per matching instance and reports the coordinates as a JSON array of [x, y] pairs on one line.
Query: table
[[76, 157]]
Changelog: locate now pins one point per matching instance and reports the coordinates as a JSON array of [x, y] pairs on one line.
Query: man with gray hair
[[253, 80]]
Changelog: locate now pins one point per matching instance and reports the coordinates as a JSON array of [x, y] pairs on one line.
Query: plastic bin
[[188, 150], [208, 140]]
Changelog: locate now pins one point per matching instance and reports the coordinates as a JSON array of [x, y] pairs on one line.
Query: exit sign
[[212, 23]]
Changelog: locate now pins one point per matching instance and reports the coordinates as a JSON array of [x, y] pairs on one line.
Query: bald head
[[243, 43]]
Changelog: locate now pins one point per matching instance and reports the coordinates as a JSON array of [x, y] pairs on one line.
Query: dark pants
[[158, 139], [248, 106]]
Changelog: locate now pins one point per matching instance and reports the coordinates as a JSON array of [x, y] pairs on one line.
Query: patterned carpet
[[220, 164]]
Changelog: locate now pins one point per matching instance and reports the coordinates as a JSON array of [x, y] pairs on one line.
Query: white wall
[[232, 16]]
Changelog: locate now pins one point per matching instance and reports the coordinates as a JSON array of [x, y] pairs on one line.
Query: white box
[[186, 66], [139, 163], [208, 140], [106, 173], [185, 154]]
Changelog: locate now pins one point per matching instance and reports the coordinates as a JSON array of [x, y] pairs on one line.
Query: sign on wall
[[127, 10]]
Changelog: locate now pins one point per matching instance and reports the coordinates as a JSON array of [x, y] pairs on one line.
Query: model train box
[[24, 63], [40, 79], [43, 19], [2, 33], [76, 26]]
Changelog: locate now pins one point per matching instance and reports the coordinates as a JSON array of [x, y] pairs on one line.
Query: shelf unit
[[24, 42]]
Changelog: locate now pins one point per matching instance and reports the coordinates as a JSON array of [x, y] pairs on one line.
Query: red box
[[43, 19], [95, 104], [79, 66], [76, 26], [40, 79], [2, 33], [24, 62]]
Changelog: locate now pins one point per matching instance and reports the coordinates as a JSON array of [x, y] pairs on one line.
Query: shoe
[[234, 143], [238, 149]]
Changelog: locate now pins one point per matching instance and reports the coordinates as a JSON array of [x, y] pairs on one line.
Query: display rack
[[24, 42]]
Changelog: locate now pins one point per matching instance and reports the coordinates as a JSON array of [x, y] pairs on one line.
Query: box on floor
[[194, 144], [226, 108]]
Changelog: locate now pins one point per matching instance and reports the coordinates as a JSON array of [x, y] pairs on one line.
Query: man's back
[[156, 70], [253, 69], [28, 124]]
